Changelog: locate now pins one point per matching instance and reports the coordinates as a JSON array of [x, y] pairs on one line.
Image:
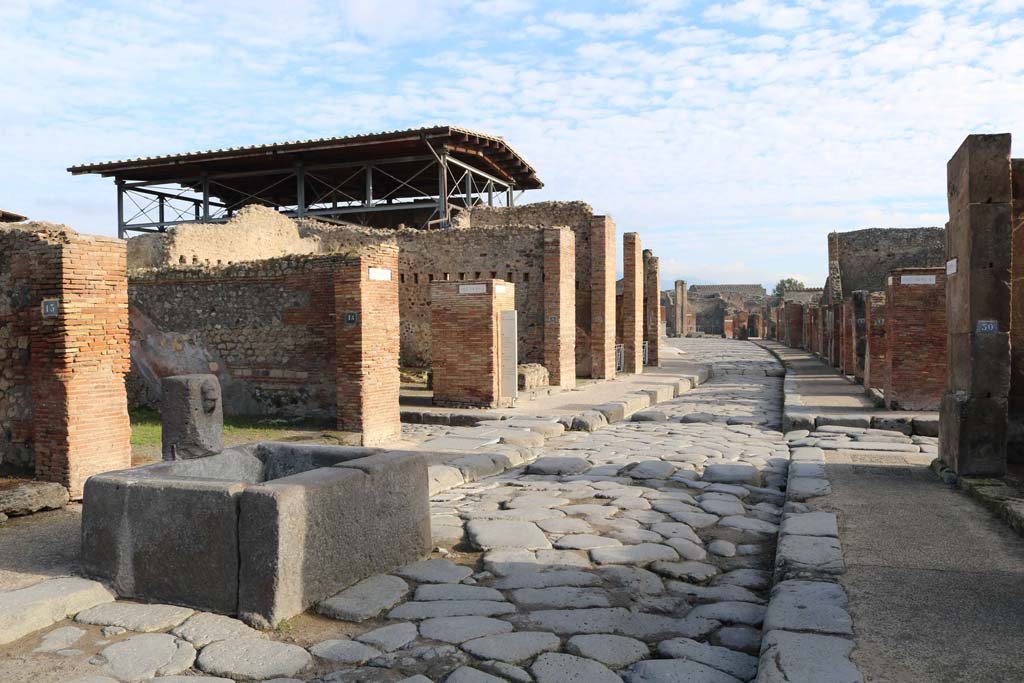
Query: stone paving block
[[804, 488], [787, 657], [366, 599], [489, 534], [204, 628], [460, 629], [344, 651], [29, 609], [807, 454], [434, 571], [253, 659], [673, 670], [589, 421], [809, 606], [512, 647], [859, 421], [612, 651], [144, 656], [416, 611], [810, 524], [28, 497], [738, 664], [614, 411], [135, 617], [809, 556], [562, 668], [558, 465], [444, 477], [642, 553]]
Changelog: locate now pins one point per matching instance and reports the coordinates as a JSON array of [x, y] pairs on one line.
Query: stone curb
[[456, 468], [998, 495], [808, 631], [794, 418]]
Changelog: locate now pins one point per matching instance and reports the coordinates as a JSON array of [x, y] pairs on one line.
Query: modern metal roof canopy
[[11, 217], [429, 171]]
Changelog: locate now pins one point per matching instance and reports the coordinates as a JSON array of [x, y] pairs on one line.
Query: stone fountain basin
[[261, 531]]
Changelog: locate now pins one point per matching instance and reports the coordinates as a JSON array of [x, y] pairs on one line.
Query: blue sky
[[732, 135]]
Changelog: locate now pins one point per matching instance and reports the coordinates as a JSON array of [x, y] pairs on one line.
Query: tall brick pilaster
[[602, 297], [652, 309], [915, 330], [973, 420], [877, 346], [366, 306], [560, 306], [632, 303], [679, 319]]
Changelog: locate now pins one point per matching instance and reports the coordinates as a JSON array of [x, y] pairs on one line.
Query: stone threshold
[[451, 468], [1003, 496]]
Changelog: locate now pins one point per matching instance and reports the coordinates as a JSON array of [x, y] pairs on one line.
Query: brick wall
[[468, 373], [1015, 406], [728, 327], [602, 297], [67, 413], [794, 317], [915, 329], [632, 303], [877, 346], [559, 304], [366, 328], [652, 308]]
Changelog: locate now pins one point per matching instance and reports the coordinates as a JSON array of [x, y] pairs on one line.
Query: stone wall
[[915, 332], [652, 308], [631, 320], [62, 398], [794, 324], [864, 258], [278, 333], [1015, 407]]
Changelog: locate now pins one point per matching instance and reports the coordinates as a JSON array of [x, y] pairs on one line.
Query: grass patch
[[146, 429]]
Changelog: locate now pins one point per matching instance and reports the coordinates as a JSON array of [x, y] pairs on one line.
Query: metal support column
[[300, 190], [509, 199], [205, 179], [442, 190], [468, 190], [160, 202], [368, 197], [120, 209]]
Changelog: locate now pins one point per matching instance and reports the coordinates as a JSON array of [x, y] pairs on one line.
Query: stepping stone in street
[[612, 651], [561, 668], [554, 465], [147, 655], [488, 534], [742, 666], [253, 659], [204, 628], [559, 597], [135, 616], [435, 571], [450, 608], [669, 670], [729, 473], [390, 638], [455, 591], [585, 542], [344, 651], [458, 630], [366, 599], [513, 647], [643, 553]]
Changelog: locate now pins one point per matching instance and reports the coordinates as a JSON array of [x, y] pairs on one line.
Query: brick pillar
[[632, 303], [794, 324], [1015, 406], [877, 346], [366, 323], [468, 373], [835, 335], [652, 308], [79, 359], [973, 422], [560, 306], [679, 319], [858, 322], [727, 327], [915, 328], [602, 297]]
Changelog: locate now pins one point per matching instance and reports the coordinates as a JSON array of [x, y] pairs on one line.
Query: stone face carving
[[192, 414]]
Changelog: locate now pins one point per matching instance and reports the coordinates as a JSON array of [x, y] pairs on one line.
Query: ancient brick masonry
[[632, 303], [1015, 407], [877, 345], [560, 306], [63, 406], [368, 380], [794, 324], [728, 327], [915, 331], [973, 421], [466, 334], [652, 308], [602, 297]]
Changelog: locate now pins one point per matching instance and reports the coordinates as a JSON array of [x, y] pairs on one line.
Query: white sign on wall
[[380, 274], [499, 289], [472, 289], [951, 265], [917, 279]]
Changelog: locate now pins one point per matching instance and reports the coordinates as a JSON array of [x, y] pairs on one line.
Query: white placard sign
[[380, 274], [951, 265], [472, 289], [499, 289], [917, 279]]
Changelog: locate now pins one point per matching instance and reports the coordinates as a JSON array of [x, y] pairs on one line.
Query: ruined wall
[[915, 320], [62, 397], [1015, 409], [864, 258], [877, 345]]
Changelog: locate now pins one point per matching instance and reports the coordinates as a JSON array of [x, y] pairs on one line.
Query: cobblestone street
[[640, 552]]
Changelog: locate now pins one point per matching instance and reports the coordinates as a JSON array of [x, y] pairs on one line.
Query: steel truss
[[155, 206]]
